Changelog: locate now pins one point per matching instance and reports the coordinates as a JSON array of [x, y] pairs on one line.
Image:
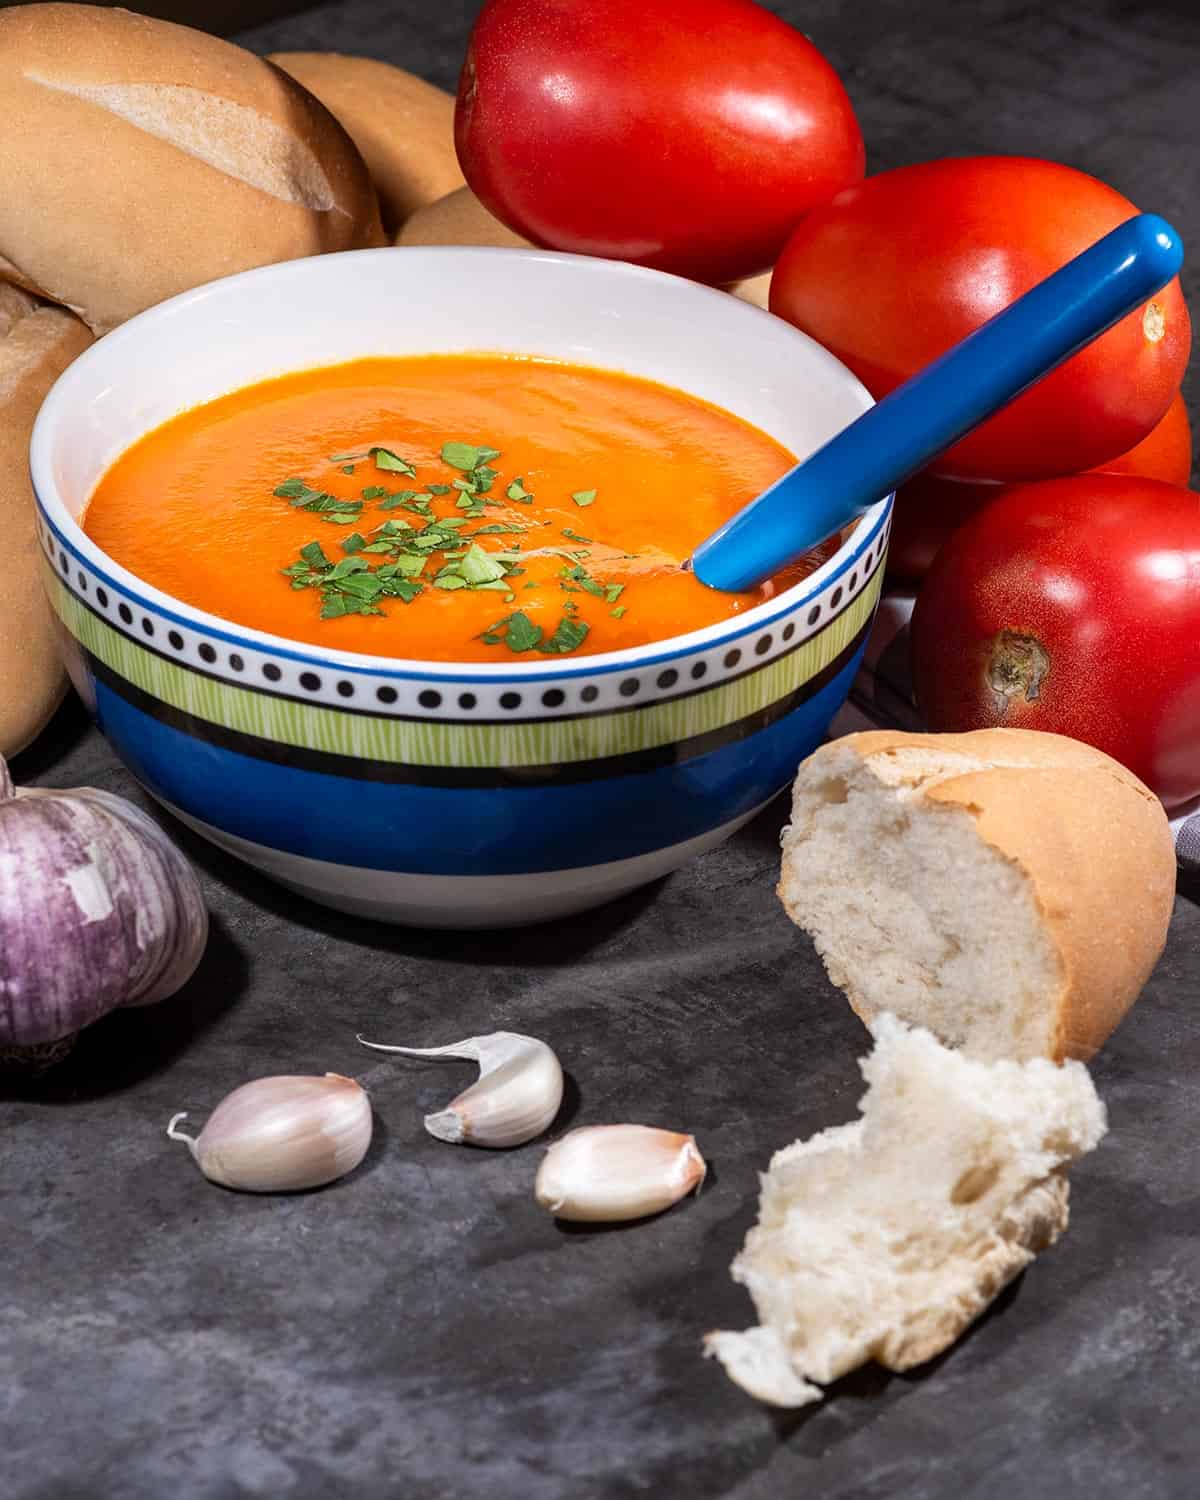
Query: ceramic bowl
[[431, 793]]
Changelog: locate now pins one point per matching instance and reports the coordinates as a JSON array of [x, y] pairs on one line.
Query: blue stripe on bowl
[[441, 831]]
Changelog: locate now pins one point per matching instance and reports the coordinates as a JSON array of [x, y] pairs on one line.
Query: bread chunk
[[883, 1239], [1009, 890]]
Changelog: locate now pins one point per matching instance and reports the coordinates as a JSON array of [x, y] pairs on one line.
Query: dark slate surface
[[422, 1330]]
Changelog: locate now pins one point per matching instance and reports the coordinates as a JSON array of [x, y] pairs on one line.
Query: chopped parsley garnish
[[399, 558], [619, 612], [518, 632]]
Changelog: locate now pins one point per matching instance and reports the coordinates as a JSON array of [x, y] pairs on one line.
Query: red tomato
[[930, 508], [1073, 606], [894, 271], [690, 135]]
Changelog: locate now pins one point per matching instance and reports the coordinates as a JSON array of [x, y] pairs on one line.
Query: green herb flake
[[392, 463], [466, 456], [583, 497], [314, 555], [613, 592], [347, 468], [574, 535], [375, 492], [438, 489], [517, 491], [619, 612], [569, 636], [355, 542]]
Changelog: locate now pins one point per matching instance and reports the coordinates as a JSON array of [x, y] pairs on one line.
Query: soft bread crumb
[[883, 1239], [911, 911]]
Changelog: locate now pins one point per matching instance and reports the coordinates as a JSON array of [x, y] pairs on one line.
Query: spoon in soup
[[943, 402]]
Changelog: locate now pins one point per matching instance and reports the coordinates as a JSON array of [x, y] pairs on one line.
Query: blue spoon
[[946, 400]]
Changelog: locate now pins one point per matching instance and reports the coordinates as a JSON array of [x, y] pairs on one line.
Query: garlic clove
[[607, 1173], [515, 1098], [282, 1134]]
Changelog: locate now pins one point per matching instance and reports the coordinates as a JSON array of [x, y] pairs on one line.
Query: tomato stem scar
[[1017, 667]]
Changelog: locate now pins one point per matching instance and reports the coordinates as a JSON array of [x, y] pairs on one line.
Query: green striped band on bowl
[[376, 736]]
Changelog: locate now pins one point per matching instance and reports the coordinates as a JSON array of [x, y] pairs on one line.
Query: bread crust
[[36, 346], [459, 219], [1092, 840], [402, 125], [139, 159]]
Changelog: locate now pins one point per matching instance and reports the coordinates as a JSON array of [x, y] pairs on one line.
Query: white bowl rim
[[169, 607]]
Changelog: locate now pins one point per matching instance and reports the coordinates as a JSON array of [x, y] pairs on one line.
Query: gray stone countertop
[[422, 1329]]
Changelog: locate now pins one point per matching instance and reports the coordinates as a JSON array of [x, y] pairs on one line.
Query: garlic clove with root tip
[[609, 1173], [282, 1134], [515, 1098]]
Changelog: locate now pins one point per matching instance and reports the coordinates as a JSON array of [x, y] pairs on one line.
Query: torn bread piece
[[883, 1239], [1007, 889]]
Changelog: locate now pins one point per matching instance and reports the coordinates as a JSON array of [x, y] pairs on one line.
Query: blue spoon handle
[[929, 413]]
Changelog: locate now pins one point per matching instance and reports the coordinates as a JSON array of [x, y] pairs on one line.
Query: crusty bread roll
[[36, 345], [1007, 889], [139, 159], [458, 219], [883, 1239], [403, 126], [754, 289]]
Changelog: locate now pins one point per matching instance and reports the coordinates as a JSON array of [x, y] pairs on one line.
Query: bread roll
[[36, 345], [1007, 889], [458, 219], [754, 289], [403, 126], [885, 1238], [139, 158]]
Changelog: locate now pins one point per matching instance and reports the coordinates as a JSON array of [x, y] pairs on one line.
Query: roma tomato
[[930, 508], [689, 135], [894, 271], [1073, 606]]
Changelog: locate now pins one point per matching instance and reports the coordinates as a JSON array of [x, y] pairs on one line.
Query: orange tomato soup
[[444, 508]]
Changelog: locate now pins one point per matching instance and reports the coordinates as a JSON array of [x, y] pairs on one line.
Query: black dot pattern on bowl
[[510, 700], [175, 639], [126, 613], [732, 658], [467, 701], [789, 630], [271, 672], [668, 679], [386, 694], [236, 662], [763, 645], [853, 584], [629, 687], [429, 698], [590, 693], [310, 682], [553, 698], [345, 689], [699, 670], [101, 598], [836, 597], [64, 562], [814, 614], [82, 581], [147, 625], [207, 653]]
